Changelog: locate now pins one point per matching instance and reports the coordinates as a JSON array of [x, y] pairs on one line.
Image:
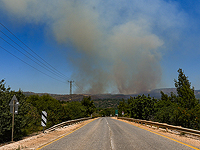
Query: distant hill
[[78, 97], [60, 97]]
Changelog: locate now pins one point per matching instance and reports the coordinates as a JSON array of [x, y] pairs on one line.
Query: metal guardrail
[[163, 125], [69, 122]]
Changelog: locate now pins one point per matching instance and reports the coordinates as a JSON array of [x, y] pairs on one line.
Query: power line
[[81, 88], [32, 50], [42, 63], [29, 57], [31, 65], [29, 54]]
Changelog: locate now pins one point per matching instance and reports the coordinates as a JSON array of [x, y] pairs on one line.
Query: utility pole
[[13, 119], [14, 110], [70, 83]]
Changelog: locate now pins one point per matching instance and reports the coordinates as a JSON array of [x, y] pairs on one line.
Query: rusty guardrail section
[[163, 125], [69, 122]]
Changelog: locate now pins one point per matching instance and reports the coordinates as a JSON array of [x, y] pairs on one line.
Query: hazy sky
[[104, 46]]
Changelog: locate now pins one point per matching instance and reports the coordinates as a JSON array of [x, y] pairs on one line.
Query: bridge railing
[[69, 122], [163, 125]]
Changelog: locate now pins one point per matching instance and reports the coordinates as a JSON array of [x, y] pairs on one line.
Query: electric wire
[[28, 57], [79, 87], [32, 50], [30, 53], [30, 65], [50, 67]]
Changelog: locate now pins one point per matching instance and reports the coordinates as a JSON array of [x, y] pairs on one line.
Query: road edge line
[[40, 147], [162, 135]]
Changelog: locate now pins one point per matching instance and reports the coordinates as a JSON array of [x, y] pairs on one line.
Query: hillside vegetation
[[28, 119], [182, 109]]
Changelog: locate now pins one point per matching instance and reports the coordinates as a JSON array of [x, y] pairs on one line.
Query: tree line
[[181, 109], [28, 119]]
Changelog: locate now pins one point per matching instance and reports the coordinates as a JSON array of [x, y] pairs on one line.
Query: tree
[[73, 110], [166, 110], [123, 106], [142, 107], [182, 109], [47, 103], [107, 112], [21, 119], [89, 104], [186, 97]]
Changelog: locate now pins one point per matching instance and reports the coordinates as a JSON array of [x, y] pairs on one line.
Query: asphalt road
[[111, 134]]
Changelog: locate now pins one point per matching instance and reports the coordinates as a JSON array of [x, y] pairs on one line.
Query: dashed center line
[[110, 135]]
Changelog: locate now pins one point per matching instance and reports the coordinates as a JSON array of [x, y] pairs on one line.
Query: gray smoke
[[117, 46]]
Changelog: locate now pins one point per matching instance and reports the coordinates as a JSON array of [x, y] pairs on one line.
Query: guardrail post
[[167, 129]]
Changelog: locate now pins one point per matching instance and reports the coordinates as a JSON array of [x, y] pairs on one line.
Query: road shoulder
[[37, 141], [193, 141]]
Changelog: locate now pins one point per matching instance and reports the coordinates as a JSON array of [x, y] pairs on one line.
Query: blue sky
[[104, 46]]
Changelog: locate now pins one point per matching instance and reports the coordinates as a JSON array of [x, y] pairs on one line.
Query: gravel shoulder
[[187, 139], [34, 142]]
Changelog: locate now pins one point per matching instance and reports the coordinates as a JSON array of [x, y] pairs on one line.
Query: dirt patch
[[187, 139], [34, 142]]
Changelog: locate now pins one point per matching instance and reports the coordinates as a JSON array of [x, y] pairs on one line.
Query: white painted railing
[[69, 122]]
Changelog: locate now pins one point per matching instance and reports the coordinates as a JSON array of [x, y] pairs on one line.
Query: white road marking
[[111, 141]]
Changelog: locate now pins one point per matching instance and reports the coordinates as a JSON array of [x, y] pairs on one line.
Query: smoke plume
[[116, 45]]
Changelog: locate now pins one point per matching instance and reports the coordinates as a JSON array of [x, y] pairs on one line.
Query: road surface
[[111, 134]]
